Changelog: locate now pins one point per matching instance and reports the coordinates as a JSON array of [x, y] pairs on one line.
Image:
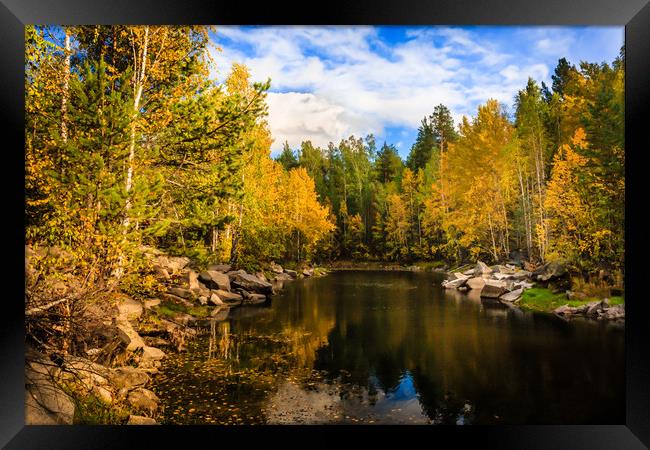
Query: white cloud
[[331, 82]]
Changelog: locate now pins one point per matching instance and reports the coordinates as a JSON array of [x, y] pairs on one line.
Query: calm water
[[392, 348]]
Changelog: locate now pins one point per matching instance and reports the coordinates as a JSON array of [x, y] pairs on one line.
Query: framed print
[[369, 219]]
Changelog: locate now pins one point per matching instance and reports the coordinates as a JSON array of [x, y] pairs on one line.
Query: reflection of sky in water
[[402, 399], [341, 402]]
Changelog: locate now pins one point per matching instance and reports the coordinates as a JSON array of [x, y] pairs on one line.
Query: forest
[[130, 142]]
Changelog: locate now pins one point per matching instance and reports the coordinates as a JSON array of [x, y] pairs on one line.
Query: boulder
[[215, 279], [181, 292], [254, 299], [491, 290], [152, 354], [614, 312], [203, 300], [172, 264], [469, 272], [103, 394], [161, 273], [215, 300], [291, 273], [261, 276], [565, 310], [506, 270], [308, 272], [151, 303], [228, 297], [482, 268], [128, 308], [593, 308], [193, 281], [84, 371], [275, 268], [252, 283], [140, 420], [282, 277], [234, 273], [476, 283], [550, 271], [128, 377], [512, 296], [223, 268], [501, 276], [523, 285], [45, 402], [143, 399], [521, 275], [129, 336], [454, 284]]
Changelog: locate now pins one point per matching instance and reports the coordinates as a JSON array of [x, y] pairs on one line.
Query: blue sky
[[328, 83]]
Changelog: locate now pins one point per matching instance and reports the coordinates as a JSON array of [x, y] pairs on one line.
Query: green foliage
[[91, 410]]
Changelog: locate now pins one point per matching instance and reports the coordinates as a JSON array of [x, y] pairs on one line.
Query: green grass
[[91, 410], [541, 299]]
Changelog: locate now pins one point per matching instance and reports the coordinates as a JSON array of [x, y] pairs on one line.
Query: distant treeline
[[547, 182]]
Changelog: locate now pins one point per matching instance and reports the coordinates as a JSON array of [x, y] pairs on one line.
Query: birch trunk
[[138, 84]]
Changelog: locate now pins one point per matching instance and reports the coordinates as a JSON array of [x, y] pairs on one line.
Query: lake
[[387, 347]]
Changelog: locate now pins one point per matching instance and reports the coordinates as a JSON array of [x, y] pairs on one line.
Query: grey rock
[[223, 268], [482, 268], [512, 296], [215, 280], [228, 297], [282, 277], [215, 300], [140, 420], [275, 268], [476, 283], [308, 272], [291, 273], [193, 281], [454, 284], [143, 399], [161, 273], [182, 293], [492, 291], [152, 354], [521, 275], [565, 310], [151, 303], [45, 402], [104, 394], [252, 283], [550, 271], [128, 377], [128, 308], [129, 336], [234, 273]]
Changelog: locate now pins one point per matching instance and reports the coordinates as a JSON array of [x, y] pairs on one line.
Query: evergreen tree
[[288, 157]]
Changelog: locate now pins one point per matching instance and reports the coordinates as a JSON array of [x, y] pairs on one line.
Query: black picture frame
[[633, 14]]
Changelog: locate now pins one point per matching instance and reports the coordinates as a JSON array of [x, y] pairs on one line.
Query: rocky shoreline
[[125, 336], [507, 283]]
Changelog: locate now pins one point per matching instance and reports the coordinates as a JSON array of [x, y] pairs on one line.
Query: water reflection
[[391, 347]]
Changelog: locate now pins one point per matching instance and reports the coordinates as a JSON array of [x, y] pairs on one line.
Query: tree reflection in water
[[390, 347]]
